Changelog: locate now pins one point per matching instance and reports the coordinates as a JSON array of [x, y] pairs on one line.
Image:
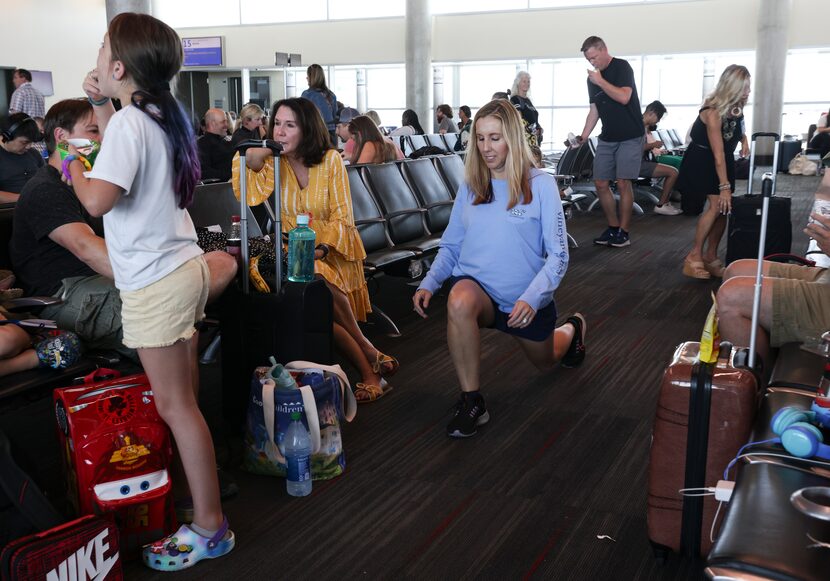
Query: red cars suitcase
[[116, 452], [81, 550], [704, 414]]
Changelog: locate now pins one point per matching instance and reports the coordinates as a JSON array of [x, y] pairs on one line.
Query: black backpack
[[427, 150], [23, 508]]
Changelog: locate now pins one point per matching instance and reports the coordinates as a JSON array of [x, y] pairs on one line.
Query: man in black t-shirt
[[613, 97], [18, 161]]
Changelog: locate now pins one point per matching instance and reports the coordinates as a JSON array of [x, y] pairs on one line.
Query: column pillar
[[419, 59], [770, 63], [360, 79], [290, 84], [437, 98], [115, 7], [246, 87]]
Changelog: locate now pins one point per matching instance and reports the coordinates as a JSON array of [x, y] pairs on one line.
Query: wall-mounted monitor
[[203, 51], [42, 81]]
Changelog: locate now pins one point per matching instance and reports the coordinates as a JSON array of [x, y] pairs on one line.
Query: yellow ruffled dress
[[328, 200]]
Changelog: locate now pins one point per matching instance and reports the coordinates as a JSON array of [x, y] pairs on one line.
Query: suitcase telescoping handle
[[767, 187], [276, 149], [777, 141]]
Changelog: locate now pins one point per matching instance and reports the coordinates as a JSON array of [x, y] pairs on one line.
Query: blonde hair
[[518, 163], [514, 90], [729, 92], [249, 112]]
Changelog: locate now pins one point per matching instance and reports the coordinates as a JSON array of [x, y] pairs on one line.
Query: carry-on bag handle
[[349, 403], [767, 187], [276, 149], [777, 142], [101, 374]]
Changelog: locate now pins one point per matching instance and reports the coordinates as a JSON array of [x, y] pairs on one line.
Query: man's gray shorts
[[91, 308], [618, 160]]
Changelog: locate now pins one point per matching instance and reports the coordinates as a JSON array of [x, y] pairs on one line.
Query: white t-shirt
[[148, 236]]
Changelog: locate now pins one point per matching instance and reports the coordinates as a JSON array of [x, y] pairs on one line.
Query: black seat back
[[431, 191], [215, 204], [406, 145], [451, 168], [367, 216], [577, 162], [399, 204]]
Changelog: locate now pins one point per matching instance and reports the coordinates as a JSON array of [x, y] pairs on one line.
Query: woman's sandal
[[185, 548], [715, 268], [373, 392], [382, 360], [695, 269]]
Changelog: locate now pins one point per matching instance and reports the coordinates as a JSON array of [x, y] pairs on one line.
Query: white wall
[[64, 36], [52, 35]]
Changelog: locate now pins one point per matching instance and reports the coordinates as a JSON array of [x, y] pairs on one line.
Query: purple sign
[[204, 51]]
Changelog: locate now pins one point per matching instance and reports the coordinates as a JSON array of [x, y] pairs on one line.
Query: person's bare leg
[[704, 226], [669, 175], [222, 267], [607, 201], [544, 355], [349, 347], [15, 350], [735, 312], [745, 267], [170, 373], [710, 253], [468, 309], [344, 317], [626, 191]]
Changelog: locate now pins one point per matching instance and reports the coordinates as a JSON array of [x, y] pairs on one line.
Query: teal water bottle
[[301, 251]]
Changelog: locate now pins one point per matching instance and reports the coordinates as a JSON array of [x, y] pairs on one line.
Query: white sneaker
[[667, 210]]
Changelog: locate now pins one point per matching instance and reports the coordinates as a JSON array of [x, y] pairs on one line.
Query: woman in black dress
[[708, 168], [519, 98]]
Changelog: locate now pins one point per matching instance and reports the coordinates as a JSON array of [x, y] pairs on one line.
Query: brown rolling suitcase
[[704, 415]]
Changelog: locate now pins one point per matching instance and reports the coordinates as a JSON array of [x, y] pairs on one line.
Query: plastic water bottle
[[234, 244], [297, 458], [301, 251], [283, 380]]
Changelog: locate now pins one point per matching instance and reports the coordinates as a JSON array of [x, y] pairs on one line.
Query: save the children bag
[[324, 399]]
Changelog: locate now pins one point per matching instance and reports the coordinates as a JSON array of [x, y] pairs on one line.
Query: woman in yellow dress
[[313, 181]]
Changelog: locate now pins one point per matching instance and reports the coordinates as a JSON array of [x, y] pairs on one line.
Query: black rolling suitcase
[[745, 219], [292, 322]]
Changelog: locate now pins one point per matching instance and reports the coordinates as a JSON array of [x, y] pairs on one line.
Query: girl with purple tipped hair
[[142, 182]]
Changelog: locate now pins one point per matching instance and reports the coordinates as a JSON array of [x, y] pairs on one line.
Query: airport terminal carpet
[[554, 487]]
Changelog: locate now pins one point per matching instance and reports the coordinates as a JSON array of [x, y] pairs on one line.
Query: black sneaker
[[606, 237], [576, 352], [470, 412], [620, 239]]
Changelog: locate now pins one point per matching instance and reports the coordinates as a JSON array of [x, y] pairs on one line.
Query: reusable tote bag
[[324, 399]]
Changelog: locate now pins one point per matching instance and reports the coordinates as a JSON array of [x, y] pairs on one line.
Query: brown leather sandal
[[695, 269], [382, 360]]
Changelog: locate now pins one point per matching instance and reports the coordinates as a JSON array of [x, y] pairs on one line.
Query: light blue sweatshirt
[[516, 254]]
